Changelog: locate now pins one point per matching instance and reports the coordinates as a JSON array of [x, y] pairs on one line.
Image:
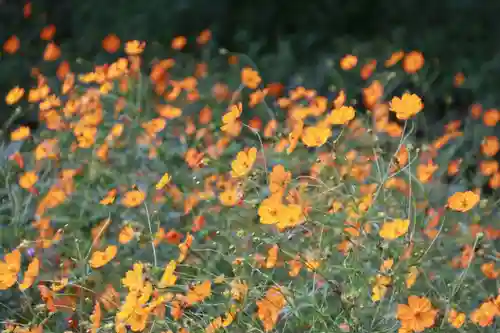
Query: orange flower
[[348, 62], [270, 306], [368, 69], [168, 111], [173, 237], [179, 42], [109, 198], [454, 167], [111, 43], [134, 47], [101, 258], [491, 117], [272, 256], [494, 181], [20, 133], [394, 59], [417, 315], [30, 274], [489, 270], [9, 268], [490, 146], [133, 198], [48, 32], [476, 110], [488, 168], [458, 79], [372, 94], [485, 314], [425, 171], [28, 180], [11, 45], [95, 318], [463, 201], [204, 37], [413, 62], [63, 70], [407, 106], [193, 158], [199, 292], [52, 52], [250, 78], [126, 234], [14, 95]]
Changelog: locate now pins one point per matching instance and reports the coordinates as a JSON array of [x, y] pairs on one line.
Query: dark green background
[[455, 35]]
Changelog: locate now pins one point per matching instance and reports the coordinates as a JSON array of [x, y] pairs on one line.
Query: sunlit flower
[[463, 201], [406, 106], [418, 315]]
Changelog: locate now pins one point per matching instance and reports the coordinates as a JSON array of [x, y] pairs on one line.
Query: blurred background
[[283, 37]]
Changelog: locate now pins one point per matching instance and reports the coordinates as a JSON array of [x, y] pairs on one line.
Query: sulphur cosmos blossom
[[14, 95], [9, 268], [463, 201], [250, 78], [406, 106], [243, 163], [394, 229], [101, 258], [417, 315], [133, 198], [168, 278], [165, 179]]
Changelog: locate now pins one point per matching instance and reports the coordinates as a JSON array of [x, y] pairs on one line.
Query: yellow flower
[[380, 287], [243, 162], [19, 134], [30, 274], [341, 115], [28, 180], [289, 216], [168, 279], [165, 179], [134, 47], [101, 258], [14, 95], [394, 229], [279, 178], [269, 209], [456, 319], [407, 106], [230, 196], [133, 279], [316, 136]]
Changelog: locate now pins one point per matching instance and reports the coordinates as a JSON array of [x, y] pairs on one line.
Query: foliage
[[192, 195]]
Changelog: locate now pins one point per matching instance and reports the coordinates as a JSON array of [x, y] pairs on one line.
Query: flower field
[[187, 194]]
